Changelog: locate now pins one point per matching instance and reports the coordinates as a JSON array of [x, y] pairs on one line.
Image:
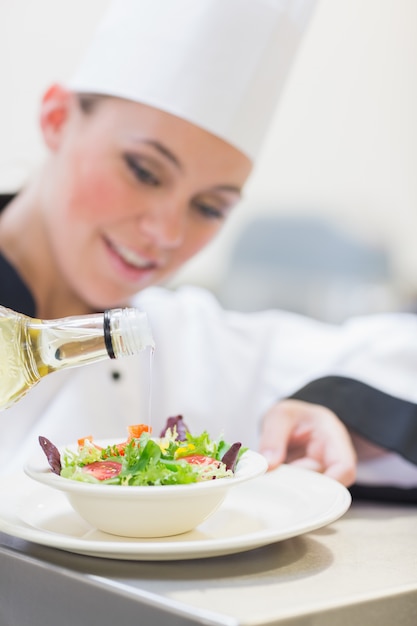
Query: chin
[[98, 302], [100, 297]]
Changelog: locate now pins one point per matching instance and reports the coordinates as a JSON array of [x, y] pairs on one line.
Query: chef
[[149, 147]]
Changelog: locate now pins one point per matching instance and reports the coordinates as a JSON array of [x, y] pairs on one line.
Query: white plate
[[282, 504]]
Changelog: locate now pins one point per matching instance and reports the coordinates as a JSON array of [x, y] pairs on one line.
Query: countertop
[[361, 569]]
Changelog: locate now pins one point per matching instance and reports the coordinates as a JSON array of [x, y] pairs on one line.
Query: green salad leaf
[[177, 457]]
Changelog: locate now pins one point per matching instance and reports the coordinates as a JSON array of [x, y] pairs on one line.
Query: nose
[[164, 223]]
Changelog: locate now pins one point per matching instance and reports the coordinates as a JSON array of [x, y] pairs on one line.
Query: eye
[[209, 211], [142, 173]]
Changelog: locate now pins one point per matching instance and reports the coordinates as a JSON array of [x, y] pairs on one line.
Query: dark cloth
[[14, 293], [394, 495], [382, 419]]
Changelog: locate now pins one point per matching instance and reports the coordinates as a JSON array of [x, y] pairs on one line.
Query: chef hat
[[219, 64]]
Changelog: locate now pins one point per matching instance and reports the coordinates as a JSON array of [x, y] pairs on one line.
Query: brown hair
[[89, 101]]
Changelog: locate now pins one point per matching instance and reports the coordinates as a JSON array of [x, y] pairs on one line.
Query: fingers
[[276, 433], [342, 472], [338, 453], [310, 464], [309, 436]]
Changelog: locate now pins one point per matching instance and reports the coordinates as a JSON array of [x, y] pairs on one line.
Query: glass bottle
[[32, 348]]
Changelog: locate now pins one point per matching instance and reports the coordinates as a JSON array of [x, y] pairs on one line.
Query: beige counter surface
[[362, 565]]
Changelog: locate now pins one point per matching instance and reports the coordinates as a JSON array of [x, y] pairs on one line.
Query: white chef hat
[[219, 64]]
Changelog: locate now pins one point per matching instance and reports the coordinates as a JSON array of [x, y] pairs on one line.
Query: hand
[[310, 436]]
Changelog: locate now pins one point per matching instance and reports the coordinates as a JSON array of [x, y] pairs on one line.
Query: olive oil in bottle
[[32, 348]]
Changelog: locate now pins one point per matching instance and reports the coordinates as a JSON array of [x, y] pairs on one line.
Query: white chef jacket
[[221, 370]]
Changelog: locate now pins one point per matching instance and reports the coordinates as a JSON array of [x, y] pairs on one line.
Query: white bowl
[[150, 511]]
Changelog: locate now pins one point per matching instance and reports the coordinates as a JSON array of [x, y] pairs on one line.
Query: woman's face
[[130, 193]]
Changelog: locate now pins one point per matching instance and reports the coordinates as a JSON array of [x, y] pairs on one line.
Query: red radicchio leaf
[[179, 424], [230, 457], [52, 454]]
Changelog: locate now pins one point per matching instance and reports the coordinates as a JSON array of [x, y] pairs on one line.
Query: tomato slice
[[200, 459], [103, 470]]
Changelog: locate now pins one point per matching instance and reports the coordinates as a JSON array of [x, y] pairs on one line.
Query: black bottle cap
[[107, 335]]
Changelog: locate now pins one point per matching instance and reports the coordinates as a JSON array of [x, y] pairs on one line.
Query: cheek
[[98, 196], [199, 237]]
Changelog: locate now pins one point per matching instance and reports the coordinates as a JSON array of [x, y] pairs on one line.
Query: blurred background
[[327, 225]]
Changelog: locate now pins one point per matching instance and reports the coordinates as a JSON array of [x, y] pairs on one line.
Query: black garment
[[14, 294], [380, 418]]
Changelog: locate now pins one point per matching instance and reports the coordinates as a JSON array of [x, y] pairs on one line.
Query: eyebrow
[[232, 188], [171, 156], [164, 151]]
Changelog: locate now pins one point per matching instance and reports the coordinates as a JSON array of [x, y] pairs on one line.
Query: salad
[[176, 457]]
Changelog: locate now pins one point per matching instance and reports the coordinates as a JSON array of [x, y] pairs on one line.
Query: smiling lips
[[131, 258]]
